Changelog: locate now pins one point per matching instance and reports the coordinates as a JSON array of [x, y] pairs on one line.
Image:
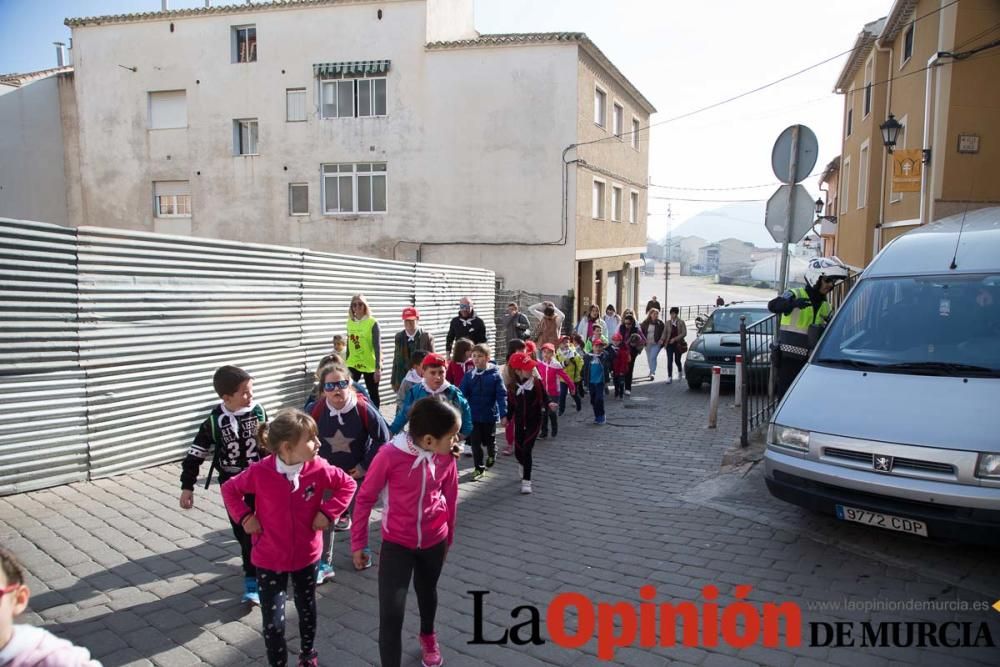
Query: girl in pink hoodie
[[26, 645], [286, 523], [552, 373], [417, 478]]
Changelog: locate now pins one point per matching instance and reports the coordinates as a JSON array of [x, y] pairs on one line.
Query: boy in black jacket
[[230, 435]]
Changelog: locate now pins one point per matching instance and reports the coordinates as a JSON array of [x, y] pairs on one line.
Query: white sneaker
[[466, 450], [652, 377], [628, 392], [525, 486]]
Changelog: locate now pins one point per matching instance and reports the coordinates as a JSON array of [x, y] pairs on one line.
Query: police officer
[[804, 312]]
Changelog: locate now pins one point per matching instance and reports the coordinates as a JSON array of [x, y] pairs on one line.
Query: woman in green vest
[[364, 346]]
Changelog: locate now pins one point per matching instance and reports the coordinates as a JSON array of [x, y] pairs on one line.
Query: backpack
[[362, 408]]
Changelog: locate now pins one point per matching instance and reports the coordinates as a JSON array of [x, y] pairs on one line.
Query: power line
[[732, 187], [710, 201]]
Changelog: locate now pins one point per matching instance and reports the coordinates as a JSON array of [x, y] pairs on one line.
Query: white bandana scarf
[[231, 418], [523, 387], [352, 402], [291, 473], [432, 392], [413, 377], [404, 443]]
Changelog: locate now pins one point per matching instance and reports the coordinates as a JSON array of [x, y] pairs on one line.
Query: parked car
[[718, 343], [893, 422]]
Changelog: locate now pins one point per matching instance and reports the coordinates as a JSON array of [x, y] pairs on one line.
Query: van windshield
[[924, 325]]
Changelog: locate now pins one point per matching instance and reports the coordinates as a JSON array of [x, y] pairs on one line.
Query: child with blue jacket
[[594, 369], [484, 389], [434, 384]]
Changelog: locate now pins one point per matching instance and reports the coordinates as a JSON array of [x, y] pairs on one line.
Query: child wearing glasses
[[351, 430], [26, 645], [230, 435], [297, 496], [316, 393]]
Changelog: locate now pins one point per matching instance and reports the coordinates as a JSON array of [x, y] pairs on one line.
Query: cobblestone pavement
[[116, 566]]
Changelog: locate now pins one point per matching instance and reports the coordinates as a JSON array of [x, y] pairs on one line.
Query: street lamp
[[832, 219], [890, 132]]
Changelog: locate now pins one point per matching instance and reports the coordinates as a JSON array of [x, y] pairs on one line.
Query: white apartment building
[[388, 129]]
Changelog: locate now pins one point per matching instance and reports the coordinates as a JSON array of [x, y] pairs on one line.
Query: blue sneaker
[[370, 557], [324, 573], [250, 591], [600, 420]]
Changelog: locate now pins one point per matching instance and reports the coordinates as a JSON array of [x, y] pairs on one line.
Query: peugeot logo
[[883, 463]]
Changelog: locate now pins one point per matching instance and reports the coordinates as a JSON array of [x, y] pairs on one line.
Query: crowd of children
[[291, 482]]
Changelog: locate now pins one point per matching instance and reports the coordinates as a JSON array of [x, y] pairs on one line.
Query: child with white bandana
[[434, 384], [417, 478], [526, 407], [298, 495], [351, 430], [229, 434]]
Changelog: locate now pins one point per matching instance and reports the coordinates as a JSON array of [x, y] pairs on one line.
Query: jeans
[[395, 567], [597, 399], [673, 354], [371, 384], [577, 398], [249, 570], [273, 589], [483, 435], [652, 352]]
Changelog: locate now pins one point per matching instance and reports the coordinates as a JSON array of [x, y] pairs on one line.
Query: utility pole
[[666, 257]]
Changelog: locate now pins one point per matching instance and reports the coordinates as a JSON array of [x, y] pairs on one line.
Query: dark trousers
[[395, 567], [577, 397], [522, 452], [483, 435], [619, 385], [788, 369], [673, 355], [631, 369], [371, 384], [273, 589], [249, 570], [597, 399], [550, 419]]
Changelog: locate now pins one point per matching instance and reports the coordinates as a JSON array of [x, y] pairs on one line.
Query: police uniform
[[800, 328]]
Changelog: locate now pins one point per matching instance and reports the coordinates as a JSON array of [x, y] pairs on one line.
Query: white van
[[895, 420]]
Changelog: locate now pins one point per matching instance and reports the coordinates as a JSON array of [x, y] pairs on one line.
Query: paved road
[[117, 567], [695, 290]]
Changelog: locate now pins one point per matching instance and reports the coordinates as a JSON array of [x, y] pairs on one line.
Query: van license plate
[[880, 520], [728, 371]]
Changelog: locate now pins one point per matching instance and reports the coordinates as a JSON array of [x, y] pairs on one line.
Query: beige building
[[932, 65], [387, 129], [829, 183]]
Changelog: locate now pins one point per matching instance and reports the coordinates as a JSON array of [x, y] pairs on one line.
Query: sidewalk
[[116, 565]]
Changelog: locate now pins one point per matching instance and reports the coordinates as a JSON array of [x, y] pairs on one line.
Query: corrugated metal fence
[[110, 337]]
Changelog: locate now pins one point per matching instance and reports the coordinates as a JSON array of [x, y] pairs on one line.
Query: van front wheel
[[694, 385]]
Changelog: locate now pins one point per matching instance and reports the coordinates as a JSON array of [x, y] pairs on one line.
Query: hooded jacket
[[450, 393], [37, 647], [552, 374], [287, 541], [419, 493], [486, 394]]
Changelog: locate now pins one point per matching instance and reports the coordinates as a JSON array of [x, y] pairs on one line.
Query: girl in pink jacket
[[417, 478], [26, 645], [286, 523], [552, 373]]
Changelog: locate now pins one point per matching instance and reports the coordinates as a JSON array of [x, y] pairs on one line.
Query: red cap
[[410, 313], [434, 360], [564, 339], [530, 347], [549, 346], [597, 340], [616, 337], [520, 361]]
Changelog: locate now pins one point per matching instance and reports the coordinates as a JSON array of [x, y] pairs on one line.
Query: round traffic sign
[[806, 149]]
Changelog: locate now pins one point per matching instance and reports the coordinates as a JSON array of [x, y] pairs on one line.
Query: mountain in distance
[[744, 221]]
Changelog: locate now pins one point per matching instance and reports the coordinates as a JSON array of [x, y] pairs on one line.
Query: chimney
[[60, 54]]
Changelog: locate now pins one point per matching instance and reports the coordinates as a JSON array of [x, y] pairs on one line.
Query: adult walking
[[550, 321], [633, 337], [465, 325], [406, 342], [585, 327], [611, 320], [515, 324], [364, 346], [653, 303], [652, 327], [674, 334]]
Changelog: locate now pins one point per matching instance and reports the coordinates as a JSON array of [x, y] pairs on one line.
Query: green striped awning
[[354, 68]]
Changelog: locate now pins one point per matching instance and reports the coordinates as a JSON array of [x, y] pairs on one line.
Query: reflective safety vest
[[793, 338], [361, 345]]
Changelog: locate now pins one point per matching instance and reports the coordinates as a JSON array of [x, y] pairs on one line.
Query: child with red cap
[[526, 407], [552, 372], [434, 384], [595, 365], [621, 360]]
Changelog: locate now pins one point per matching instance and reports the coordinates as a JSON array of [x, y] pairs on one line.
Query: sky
[[681, 55]]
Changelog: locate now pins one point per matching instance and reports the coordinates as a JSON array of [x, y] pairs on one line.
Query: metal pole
[[793, 166], [738, 393], [743, 388], [713, 401]]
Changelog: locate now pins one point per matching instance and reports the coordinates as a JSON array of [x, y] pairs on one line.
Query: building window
[[350, 98], [900, 145], [298, 199], [633, 207], [244, 44], [635, 133], [295, 104], [845, 183], [354, 188], [172, 199], [907, 45], [245, 136], [869, 69], [600, 107], [618, 120], [598, 207], [863, 176], [849, 122], [167, 109], [616, 203]]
